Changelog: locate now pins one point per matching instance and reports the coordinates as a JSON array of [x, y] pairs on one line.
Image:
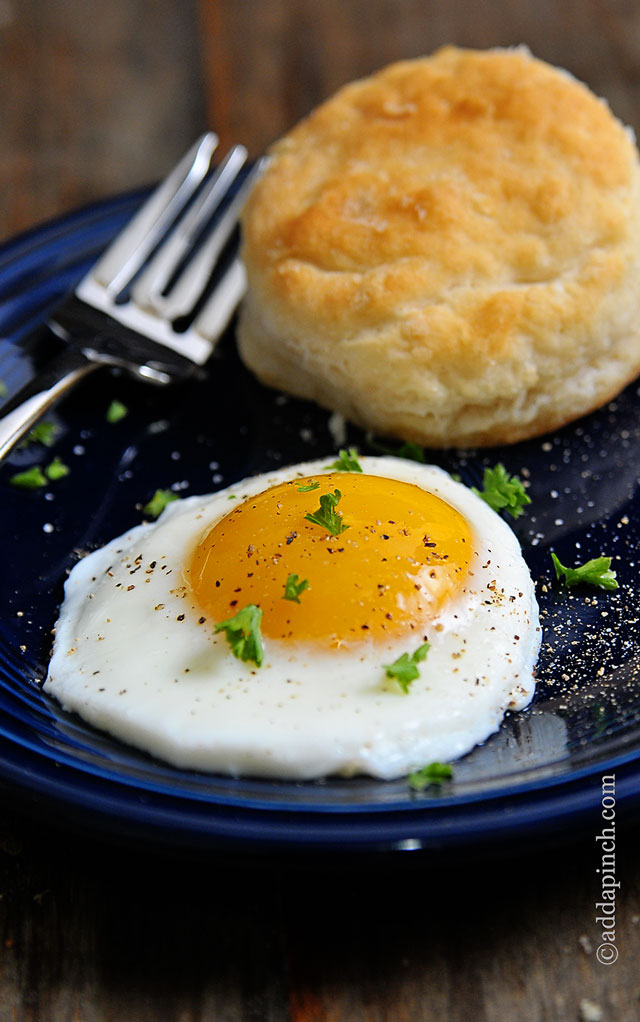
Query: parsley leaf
[[116, 411], [502, 491], [347, 461], [327, 516], [4, 390], [596, 572], [405, 669], [31, 479], [56, 470], [410, 450], [42, 433], [293, 588], [35, 478], [306, 487], [158, 502], [243, 633], [433, 773]]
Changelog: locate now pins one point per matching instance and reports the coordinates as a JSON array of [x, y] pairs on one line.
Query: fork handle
[[23, 410]]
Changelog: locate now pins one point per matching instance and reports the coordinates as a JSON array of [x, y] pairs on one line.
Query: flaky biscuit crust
[[449, 252]]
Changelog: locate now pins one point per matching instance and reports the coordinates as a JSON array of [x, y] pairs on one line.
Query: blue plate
[[538, 777]]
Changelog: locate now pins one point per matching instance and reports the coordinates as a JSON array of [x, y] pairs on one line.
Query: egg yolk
[[405, 552]]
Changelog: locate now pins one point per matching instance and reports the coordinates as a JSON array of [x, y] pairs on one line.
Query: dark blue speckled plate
[[539, 776]]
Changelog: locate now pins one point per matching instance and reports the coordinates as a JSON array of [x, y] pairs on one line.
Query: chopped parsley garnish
[[35, 478], [503, 492], [56, 470], [243, 633], [42, 433], [405, 669], [596, 572], [307, 487], [158, 502], [293, 588], [433, 773], [347, 461], [327, 516], [410, 451], [31, 479], [4, 390], [116, 411]]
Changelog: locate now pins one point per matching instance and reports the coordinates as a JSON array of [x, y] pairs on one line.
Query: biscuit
[[449, 252]]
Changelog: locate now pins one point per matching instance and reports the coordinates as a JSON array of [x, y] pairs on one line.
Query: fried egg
[[397, 565]]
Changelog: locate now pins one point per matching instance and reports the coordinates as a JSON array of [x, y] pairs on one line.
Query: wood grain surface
[[99, 98], [92, 931], [96, 98]]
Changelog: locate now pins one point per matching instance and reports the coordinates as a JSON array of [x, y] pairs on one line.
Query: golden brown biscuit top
[[464, 170]]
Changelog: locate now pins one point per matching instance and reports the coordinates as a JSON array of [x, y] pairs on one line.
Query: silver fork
[[124, 312]]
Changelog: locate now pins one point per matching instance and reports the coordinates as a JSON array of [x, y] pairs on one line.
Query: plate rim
[[61, 229]]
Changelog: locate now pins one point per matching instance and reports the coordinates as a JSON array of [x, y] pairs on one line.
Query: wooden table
[[99, 98]]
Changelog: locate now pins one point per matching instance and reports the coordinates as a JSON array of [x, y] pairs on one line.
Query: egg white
[[133, 656]]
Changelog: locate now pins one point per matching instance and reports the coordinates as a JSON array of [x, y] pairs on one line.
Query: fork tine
[[218, 310], [128, 252], [148, 289], [190, 285]]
